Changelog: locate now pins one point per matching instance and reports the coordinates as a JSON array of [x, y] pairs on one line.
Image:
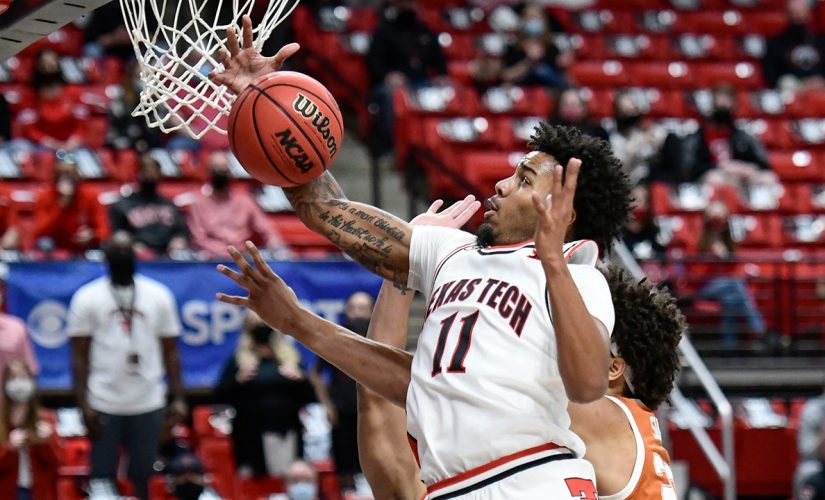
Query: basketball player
[[620, 430], [514, 331]]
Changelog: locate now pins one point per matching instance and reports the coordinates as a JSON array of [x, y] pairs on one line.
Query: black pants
[[345, 444], [139, 435]]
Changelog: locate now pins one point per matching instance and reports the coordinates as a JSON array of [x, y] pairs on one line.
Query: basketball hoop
[[176, 43]]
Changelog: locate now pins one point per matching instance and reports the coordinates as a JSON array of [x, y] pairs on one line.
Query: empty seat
[[744, 75], [664, 75], [797, 165], [608, 73]]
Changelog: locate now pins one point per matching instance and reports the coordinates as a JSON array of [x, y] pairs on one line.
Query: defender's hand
[[269, 297], [455, 216], [244, 65], [555, 213]]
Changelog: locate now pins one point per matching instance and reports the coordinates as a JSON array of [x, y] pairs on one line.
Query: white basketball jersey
[[485, 379]]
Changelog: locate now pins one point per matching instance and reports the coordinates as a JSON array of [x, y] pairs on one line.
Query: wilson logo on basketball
[[309, 110], [293, 150]]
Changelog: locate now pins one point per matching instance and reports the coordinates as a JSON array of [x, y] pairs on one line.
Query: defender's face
[[511, 215]]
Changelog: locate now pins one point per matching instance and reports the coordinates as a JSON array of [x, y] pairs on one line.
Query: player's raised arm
[[376, 239], [384, 369], [582, 340]]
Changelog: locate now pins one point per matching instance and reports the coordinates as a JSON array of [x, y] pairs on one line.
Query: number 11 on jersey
[[465, 337]]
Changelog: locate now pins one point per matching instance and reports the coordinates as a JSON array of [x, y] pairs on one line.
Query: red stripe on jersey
[[488, 466], [570, 252], [414, 448]]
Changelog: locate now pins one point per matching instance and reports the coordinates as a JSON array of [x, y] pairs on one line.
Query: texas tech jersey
[[485, 378]]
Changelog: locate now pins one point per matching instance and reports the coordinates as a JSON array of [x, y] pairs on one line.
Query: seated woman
[[29, 447]]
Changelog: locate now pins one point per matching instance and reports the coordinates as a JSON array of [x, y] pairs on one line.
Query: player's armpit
[[376, 239]]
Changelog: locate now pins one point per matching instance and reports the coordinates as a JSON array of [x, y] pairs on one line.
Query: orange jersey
[[651, 477]]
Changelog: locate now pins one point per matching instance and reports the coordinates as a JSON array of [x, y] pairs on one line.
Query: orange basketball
[[285, 129]]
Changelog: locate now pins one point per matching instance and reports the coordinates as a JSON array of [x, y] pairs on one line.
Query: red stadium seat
[[216, 455], [703, 46], [756, 230], [602, 21], [743, 75], [719, 22], [517, 101], [609, 73], [663, 75], [798, 165], [641, 46]]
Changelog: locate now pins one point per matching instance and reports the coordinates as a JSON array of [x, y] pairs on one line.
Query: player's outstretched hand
[[243, 64], [455, 216], [268, 294], [555, 212]]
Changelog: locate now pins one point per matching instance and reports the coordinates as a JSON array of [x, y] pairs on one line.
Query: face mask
[[301, 491], [533, 27], [261, 334], [188, 491], [722, 116], [20, 390], [220, 181], [121, 266], [149, 187], [628, 121], [358, 325]]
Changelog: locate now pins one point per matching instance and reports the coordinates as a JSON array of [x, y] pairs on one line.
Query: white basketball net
[[176, 43]]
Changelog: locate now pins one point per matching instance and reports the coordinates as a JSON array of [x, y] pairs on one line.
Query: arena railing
[[724, 461]]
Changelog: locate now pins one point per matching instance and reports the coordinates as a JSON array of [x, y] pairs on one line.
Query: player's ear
[[572, 217], [617, 366]]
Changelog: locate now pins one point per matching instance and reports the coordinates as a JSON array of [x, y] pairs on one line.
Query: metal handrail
[[724, 462]]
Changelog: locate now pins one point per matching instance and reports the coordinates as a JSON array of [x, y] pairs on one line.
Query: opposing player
[[512, 333], [620, 430]]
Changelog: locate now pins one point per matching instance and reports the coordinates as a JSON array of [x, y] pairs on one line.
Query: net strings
[[176, 43]]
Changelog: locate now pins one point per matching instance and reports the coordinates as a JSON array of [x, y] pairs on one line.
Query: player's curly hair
[[648, 329], [603, 198]]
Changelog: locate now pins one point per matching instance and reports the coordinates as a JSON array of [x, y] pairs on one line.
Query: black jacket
[[412, 50], [152, 220], [795, 52], [688, 159]]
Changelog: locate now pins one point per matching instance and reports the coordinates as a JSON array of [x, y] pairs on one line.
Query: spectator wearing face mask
[[636, 140], [267, 389], [301, 483], [340, 396], [186, 479], [123, 329], [155, 223], [794, 58], [15, 343], [719, 153], [222, 216], [534, 59], [29, 448], [67, 214], [572, 110]]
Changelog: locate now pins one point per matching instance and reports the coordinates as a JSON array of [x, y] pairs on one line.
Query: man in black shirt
[[794, 58], [154, 221]]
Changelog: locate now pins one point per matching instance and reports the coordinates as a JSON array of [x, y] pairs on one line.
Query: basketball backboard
[[27, 21]]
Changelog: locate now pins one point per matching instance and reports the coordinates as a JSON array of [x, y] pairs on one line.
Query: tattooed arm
[[376, 239]]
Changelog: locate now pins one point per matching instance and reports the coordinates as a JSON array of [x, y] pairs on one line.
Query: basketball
[[285, 129]]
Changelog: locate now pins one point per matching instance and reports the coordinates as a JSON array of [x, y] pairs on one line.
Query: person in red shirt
[[68, 213], [56, 122], [222, 216], [9, 235], [29, 447]]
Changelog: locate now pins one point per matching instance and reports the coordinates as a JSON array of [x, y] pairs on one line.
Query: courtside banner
[[39, 293]]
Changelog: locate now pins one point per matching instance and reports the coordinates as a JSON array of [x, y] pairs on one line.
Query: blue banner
[[39, 293]]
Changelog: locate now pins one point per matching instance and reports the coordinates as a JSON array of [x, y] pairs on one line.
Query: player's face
[[511, 217]]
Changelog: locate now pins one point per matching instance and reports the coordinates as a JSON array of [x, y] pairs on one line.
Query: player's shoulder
[[91, 291], [584, 252], [152, 287], [444, 236]]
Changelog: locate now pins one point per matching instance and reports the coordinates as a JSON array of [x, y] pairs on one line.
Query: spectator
[[341, 394], [267, 395], [127, 131], [67, 214], [29, 448], [301, 483], [719, 153], [404, 53], [56, 122], [105, 34], [795, 58], [246, 355], [14, 340], [123, 329], [221, 216], [154, 221], [572, 109], [636, 139], [716, 243], [5, 120], [534, 58], [809, 479], [186, 479], [641, 232]]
